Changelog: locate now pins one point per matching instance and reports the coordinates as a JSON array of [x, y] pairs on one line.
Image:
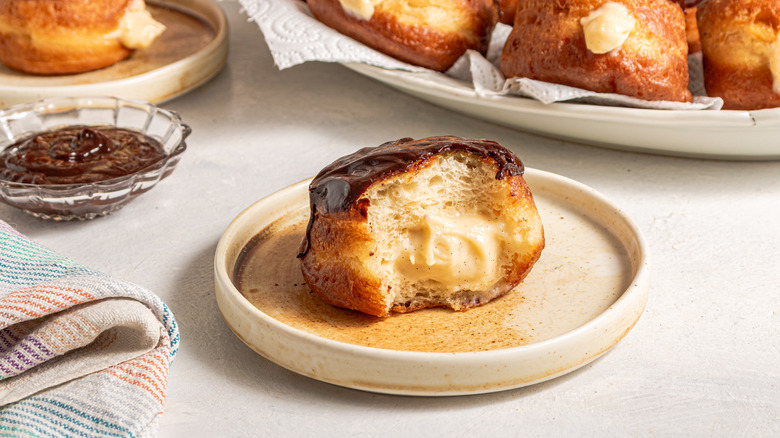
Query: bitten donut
[[411, 224], [428, 33], [72, 36], [632, 47], [741, 52]]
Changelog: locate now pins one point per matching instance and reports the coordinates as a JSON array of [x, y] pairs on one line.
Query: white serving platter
[[584, 295], [191, 51], [724, 134]]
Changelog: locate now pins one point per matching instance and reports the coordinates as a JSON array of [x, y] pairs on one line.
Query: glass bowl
[[89, 200]]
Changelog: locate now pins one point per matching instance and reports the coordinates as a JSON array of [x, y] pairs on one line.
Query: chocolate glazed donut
[[741, 52]]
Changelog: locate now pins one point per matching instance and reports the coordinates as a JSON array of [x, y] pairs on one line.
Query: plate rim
[[638, 289], [214, 54], [756, 122]]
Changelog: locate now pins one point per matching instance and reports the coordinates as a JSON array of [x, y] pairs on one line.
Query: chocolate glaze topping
[[340, 185], [78, 154]]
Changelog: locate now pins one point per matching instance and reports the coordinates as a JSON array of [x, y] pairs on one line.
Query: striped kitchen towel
[[81, 353]]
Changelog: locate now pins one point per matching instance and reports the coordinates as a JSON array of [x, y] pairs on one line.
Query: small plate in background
[[191, 51]]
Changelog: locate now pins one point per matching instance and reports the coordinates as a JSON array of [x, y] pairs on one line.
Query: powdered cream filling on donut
[[437, 14], [459, 251], [137, 28], [607, 27], [362, 9]]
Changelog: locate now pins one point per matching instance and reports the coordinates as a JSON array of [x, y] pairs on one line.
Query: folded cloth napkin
[[81, 353]]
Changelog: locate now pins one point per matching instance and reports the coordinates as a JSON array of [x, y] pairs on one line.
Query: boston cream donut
[[741, 52], [411, 224], [633, 47], [428, 33], [72, 36]]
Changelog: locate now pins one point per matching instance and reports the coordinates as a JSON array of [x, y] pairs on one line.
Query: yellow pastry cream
[[455, 251], [607, 27]]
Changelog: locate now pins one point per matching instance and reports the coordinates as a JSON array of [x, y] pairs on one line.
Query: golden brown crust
[[547, 43], [60, 36], [738, 38], [692, 30], [430, 45], [35, 59], [508, 9], [52, 15]]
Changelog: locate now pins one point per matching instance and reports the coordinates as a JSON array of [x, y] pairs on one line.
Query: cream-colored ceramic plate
[[731, 135], [191, 51], [584, 295]]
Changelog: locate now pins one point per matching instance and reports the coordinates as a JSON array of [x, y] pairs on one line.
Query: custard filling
[[362, 9], [459, 252], [440, 15], [774, 64], [607, 28]]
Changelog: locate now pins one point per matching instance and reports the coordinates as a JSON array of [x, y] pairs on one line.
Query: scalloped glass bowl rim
[[59, 193]]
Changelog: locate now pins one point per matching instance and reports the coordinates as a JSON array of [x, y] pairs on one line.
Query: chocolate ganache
[[339, 185], [79, 154]]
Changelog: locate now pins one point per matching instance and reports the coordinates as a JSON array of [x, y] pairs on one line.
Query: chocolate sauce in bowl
[[79, 154]]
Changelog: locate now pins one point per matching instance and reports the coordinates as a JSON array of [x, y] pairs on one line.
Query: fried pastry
[[741, 52], [428, 33], [72, 36], [411, 224], [508, 9], [691, 24], [632, 47]]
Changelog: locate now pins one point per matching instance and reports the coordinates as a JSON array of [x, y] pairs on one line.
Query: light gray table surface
[[704, 359]]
